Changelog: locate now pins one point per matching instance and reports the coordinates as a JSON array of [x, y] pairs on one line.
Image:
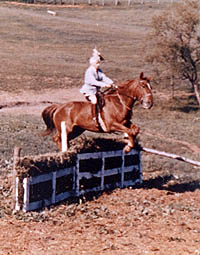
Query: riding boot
[[95, 114]]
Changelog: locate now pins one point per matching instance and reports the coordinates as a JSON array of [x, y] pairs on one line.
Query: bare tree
[[175, 43]]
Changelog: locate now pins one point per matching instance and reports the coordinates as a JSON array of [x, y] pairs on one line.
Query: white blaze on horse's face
[[149, 86], [147, 98]]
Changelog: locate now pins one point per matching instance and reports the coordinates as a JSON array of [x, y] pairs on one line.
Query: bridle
[[134, 98]]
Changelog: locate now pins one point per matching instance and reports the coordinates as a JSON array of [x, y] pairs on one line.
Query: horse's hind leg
[[57, 140], [61, 137], [61, 141]]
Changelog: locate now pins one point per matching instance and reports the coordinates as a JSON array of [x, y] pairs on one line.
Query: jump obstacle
[[50, 182], [91, 172]]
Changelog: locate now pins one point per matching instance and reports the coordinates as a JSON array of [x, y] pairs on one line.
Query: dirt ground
[[161, 217], [147, 220], [139, 221]]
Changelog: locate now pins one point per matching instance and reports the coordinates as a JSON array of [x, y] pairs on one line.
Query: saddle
[[99, 106], [100, 96]]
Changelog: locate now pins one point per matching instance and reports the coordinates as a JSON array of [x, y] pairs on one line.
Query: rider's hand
[[108, 85], [113, 86]]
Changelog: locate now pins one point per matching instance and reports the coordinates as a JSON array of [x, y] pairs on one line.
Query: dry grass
[[38, 48]]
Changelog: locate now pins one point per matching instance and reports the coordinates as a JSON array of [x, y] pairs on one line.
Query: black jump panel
[[92, 165]]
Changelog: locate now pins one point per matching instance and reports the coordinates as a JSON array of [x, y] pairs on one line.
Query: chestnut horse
[[115, 115]]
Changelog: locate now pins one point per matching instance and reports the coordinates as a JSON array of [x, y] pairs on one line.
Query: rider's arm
[[90, 78], [108, 82], [106, 79]]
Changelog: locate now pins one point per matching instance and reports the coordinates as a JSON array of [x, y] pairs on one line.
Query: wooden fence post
[[15, 179], [26, 187], [63, 136]]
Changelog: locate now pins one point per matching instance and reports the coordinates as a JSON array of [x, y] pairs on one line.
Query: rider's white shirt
[[93, 79]]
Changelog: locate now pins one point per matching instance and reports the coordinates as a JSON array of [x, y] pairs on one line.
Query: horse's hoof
[[125, 136], [127, 149]]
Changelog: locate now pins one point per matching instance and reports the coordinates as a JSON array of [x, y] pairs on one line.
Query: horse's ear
[[141, 76]]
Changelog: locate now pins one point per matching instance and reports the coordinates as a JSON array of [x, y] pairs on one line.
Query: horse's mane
[[121, 85], [124, 83]]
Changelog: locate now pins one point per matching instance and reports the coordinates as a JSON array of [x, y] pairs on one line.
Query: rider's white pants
[[93, 99]]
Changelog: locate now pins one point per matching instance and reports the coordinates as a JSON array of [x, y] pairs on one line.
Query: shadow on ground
[[162, 183]]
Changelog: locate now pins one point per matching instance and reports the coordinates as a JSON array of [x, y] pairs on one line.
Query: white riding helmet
[[96, 53], [94, 60]]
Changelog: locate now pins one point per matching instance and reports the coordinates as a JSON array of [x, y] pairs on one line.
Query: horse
[[115, 116]]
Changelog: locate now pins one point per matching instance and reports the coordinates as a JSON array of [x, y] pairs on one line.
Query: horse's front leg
[[130, 139], [135, 130], [131, 133]]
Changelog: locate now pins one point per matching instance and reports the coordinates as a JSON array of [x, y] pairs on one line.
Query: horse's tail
[[47, 116]]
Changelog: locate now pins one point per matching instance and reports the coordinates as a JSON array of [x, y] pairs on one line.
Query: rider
[[93, 80]]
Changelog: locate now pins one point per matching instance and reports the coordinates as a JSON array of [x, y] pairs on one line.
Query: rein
[[117, 91], [123, 102], [134, 98], [122, 94]]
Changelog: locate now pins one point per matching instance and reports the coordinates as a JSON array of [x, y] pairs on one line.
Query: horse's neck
[[126, 97]]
